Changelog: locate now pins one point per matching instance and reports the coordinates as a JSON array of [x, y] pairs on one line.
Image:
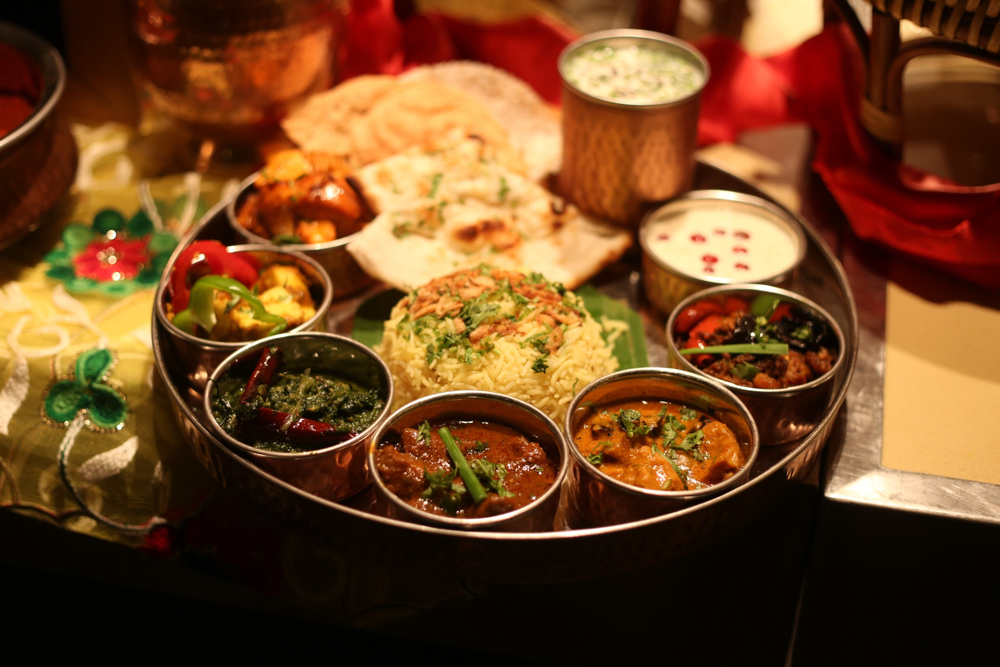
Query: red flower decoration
[[111, 260]]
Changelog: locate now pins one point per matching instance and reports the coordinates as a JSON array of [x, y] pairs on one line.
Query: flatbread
[[369, 118], [532, 125], [453, 205]]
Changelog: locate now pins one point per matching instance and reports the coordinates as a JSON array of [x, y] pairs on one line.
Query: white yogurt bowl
[[708, 238]]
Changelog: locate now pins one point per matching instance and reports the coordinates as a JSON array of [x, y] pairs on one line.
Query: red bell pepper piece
[[736, 304], [220, 263], [783, 310], [694, 314], [697, 339]]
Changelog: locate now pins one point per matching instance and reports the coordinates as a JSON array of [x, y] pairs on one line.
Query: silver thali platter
[[578, 553]]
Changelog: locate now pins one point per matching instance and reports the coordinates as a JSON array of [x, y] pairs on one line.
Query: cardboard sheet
[[942, 377]]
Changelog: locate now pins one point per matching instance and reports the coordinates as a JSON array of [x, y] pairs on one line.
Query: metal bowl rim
[[476, 395], [277, 340], [46, 57], [661, 373], [648, 35], [304, 248], [767, 289], [173, 330], [732, 197]]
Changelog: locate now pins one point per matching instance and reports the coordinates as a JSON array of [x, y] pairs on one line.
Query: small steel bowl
[[620, 157], [346, 275], [462, 406], [782, 415], [603, 500], [201, 356], [667, 285], [336, 472]]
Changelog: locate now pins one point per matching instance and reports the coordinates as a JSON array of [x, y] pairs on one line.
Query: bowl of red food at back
[[37, 152], [776, 350], [470, 460], [303, 407], [209, 299], [648, 441], [308, 203]]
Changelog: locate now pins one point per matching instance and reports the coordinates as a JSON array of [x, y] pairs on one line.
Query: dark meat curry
[[416, 466], [659, 445]]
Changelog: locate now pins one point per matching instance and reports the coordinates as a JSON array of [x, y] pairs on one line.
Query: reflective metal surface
[[782, 415], [493, 408], [201, 356], [529, 557], [605, 501], [619, 157], [346, 276], [855, 473]]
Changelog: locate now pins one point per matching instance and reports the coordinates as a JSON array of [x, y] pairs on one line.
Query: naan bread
[[532, 125], [454, 205], [369, 118]]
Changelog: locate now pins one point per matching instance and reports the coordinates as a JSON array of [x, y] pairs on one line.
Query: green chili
[[472, 483], [201, 310]]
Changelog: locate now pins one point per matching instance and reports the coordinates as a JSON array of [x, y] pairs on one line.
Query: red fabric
[[952, 227]]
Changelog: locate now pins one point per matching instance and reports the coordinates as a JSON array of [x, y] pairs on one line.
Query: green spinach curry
[[293, 411]]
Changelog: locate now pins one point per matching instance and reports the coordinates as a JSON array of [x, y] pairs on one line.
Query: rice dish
[[495, 330]]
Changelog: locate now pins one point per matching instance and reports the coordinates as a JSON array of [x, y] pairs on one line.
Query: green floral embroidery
[[111, 256], [85, 389]]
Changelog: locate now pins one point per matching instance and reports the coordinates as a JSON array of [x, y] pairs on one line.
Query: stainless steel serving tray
[[515, 557]]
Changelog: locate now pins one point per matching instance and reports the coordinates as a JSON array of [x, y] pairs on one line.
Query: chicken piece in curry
[[659, 445], [303, 198]]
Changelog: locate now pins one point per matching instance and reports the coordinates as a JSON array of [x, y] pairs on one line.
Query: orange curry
[[659, 445]]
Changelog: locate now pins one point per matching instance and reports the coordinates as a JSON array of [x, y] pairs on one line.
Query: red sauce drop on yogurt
[[739, 250], [742, 266], [698, 238], [709, 259], [741, 235]]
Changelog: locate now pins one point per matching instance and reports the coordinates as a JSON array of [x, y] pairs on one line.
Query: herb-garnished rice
[[495, 330]]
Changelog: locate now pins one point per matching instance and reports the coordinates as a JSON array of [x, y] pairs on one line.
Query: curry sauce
[[659, 445], [415, 465]]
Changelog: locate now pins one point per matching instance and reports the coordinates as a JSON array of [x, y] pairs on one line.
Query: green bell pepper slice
[[201, 311]]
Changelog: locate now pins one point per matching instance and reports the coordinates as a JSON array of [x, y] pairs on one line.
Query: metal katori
[[605, 501], [335, 472], [782, 415], [346, 276], [619, 157], [490, 407], [666, 285], [200, 356]]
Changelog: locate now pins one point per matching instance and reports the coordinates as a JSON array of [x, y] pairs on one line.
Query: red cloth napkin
[[952, 227]]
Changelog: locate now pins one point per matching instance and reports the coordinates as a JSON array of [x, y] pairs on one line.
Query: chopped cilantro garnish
[[443, 487], [480, 447], [745, 371], [424, 432], [631, 421], [502, 195], [491, 475], [435, 184], [803, 332], [688, 415], [541, 364]]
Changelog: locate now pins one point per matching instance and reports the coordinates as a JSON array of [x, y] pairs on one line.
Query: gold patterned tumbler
[[621, 157]]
